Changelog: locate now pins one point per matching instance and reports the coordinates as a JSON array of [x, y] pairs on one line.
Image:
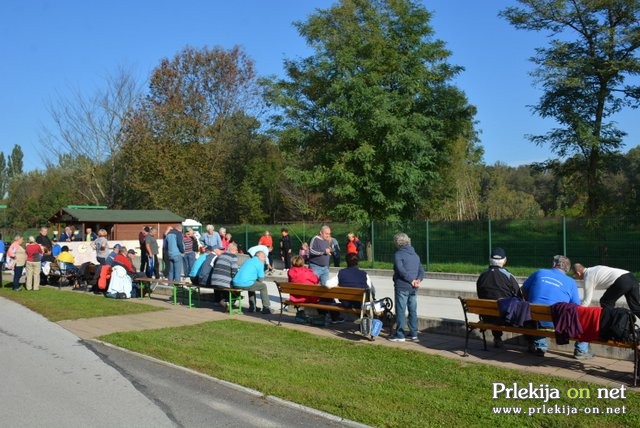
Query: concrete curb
[[250, 391]]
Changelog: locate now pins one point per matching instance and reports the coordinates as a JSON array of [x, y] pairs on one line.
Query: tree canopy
[[583, 72], [368, 118]]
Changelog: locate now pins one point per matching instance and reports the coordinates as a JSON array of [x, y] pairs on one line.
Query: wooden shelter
[[119, 224]]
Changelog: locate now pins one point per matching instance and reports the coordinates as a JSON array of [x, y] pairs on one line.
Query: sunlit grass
[[376, 385], [57, 305]]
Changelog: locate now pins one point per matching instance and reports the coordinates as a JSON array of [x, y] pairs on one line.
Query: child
[[304, 253]]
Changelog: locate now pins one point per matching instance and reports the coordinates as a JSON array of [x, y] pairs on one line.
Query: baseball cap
[[498, 254], [117, 246], [131, 251]]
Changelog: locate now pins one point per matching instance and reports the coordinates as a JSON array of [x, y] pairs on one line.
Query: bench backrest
[[489, 307], [309, 290]]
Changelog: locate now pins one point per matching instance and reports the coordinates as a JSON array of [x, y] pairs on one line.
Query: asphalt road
[[50, 378]]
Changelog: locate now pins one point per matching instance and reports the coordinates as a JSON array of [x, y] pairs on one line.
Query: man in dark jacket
[[497, 283], [407, 277]]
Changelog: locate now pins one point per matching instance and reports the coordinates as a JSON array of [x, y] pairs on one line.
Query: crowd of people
[[211, 259]]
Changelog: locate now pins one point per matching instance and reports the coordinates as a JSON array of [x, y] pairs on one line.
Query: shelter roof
[[87, 215]]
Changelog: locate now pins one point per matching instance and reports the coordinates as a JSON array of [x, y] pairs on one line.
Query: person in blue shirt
[[248, 278], [550, 286]]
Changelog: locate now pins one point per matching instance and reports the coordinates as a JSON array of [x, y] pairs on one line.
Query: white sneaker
[[397, 339]]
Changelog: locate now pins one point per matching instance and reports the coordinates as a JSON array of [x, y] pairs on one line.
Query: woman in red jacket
[[299, 274]]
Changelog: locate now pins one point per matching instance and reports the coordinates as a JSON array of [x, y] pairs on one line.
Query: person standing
[[2, 252], [407, 278], [151, 247], [320, 253], [190, 247], [175, 250], [497, 283], [43, 238], [19, 256], [617, 282], [335, 252], [89, 235], [144, 259], [285, 248], [550, 286], [267, 240], [101, 246], [34, 254]]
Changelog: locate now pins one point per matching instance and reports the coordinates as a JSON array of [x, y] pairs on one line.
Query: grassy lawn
[[57, 305], [375, 385]]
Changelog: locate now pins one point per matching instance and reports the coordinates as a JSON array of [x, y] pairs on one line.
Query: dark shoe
[[397, 339], [266, 311], [337, 321], [538, 352], [254, 309], [583, 355], [497, 343]]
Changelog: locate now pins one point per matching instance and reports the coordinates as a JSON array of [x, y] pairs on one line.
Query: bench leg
[[484, 339], [466, 343], [636, 357], [175, 294], [235, 296]]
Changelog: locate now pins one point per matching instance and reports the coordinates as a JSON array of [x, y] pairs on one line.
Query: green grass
[[376, 385], [57, 305]]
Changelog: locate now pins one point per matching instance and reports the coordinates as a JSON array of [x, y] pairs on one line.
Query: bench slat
[[309, 290]]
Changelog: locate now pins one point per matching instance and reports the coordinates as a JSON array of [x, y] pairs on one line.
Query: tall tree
[[4, 180], [89, 127], [366, 119], [176, 140], [583, 72], [15, 162]]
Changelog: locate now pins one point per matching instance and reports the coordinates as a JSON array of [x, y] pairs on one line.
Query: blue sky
[[52, 48]]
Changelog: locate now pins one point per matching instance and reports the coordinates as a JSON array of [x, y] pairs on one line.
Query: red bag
[[105, 275], [304, 299]]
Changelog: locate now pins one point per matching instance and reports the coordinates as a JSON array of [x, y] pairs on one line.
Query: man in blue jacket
[[407, 277], [550, 286]]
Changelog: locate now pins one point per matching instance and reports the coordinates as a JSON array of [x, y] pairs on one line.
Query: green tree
[[15, 162], [176, 140], [583, 72], [36, 195], [367, 118], [4, 180], [500, 201]]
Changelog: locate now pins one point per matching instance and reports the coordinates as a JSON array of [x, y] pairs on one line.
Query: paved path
[[598, 370]]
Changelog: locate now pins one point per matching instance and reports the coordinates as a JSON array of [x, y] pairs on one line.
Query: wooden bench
[[357, 295], [489, 308], [188, 288]]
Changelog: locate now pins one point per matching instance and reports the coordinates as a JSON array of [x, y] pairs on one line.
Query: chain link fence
[[529, 243]]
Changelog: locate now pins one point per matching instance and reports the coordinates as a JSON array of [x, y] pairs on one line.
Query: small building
[[120, 225]]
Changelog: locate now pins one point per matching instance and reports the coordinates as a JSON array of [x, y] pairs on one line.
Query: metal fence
[[529, 243]]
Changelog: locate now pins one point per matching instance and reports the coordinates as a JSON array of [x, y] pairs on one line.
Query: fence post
[[490, 240], [564, 235], [372, 245], [246, 237], [427, 244]]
